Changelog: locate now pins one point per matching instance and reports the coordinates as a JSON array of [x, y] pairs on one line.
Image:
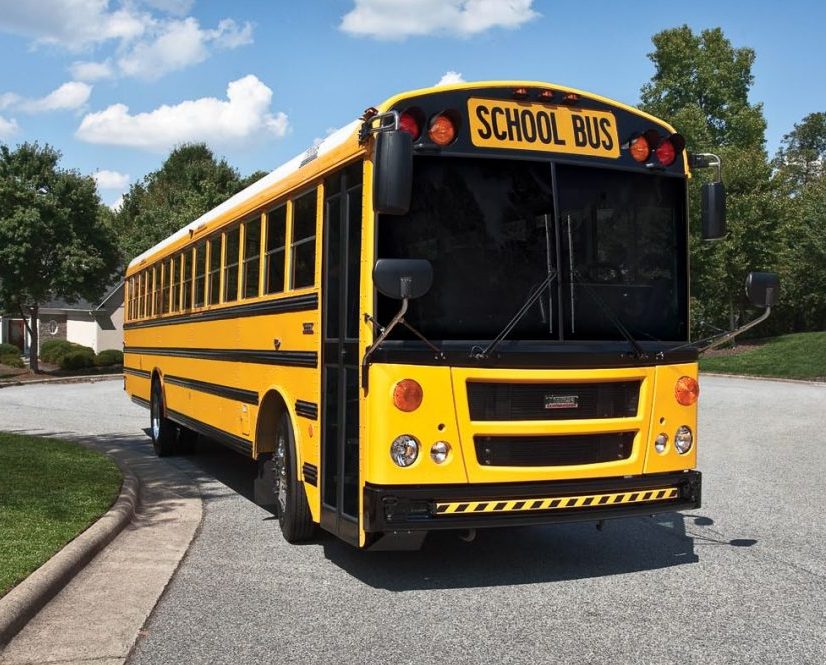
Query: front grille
[[565, 450], [552, 401]]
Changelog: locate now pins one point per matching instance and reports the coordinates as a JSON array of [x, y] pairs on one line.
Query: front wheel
[[164, 432], [291, 501]]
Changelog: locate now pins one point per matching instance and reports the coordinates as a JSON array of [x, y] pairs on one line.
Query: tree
[[801, 159], [52, 242], [189, 183], [701, 85]]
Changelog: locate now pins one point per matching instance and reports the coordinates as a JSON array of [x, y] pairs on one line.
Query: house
[[97, 325]]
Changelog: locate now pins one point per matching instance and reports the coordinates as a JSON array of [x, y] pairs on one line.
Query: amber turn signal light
[[407, 395], [442, 130], [686, 390], [640, 149]]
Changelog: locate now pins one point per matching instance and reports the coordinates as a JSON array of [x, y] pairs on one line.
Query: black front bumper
[[421, 507]]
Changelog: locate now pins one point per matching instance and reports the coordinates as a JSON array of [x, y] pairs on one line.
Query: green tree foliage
[[189, 183], [801, 175], [53, 243], [701, 85]]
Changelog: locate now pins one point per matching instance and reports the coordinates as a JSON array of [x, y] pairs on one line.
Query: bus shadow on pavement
[[525, 555]]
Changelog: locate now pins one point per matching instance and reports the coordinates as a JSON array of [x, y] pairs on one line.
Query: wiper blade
[[480, 354], [638, 351]]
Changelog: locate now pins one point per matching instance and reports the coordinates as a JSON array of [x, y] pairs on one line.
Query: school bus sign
[[527, 126]]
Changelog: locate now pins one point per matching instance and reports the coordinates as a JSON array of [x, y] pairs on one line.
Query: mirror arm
[[365, 361], [725, 337]]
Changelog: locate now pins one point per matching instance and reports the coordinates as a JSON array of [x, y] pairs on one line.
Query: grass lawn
[[50, 491], [799, 356]]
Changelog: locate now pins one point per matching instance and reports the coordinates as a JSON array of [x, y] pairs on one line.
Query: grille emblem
[[561, 401]]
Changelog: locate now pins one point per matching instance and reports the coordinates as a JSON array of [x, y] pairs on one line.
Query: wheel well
[[272, 406]]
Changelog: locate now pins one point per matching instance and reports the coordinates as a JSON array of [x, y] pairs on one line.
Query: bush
[[54, 349], [12, 359], [78, 358], [9, 350], [109, 357]]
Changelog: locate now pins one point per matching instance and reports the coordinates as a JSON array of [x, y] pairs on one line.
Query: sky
[[116, 84]]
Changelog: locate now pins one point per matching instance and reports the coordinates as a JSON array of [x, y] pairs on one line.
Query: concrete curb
[[763, 378], [86, 378], [31, 595]]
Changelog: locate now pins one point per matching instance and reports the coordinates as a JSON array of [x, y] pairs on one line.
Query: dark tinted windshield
[[489, 229]]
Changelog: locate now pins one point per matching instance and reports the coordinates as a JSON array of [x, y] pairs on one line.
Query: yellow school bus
[[466, 309]]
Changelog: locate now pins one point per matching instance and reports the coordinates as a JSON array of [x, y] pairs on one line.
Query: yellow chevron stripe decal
[[557, 502]]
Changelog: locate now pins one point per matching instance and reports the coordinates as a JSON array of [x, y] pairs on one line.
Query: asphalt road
[[741, 580]]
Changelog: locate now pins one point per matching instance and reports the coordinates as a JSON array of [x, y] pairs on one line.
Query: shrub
[[9, 350], [109, 357], [78, 358], [52, 350], [12, 359]]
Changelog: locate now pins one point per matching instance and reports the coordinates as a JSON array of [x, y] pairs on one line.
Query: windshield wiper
[[612, 317], [480, 354]]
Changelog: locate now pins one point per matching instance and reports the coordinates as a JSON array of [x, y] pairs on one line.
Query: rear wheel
[[291, 501], [164, 432]]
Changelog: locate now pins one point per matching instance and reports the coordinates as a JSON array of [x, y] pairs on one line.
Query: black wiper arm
[[641, 355], [479, 353]]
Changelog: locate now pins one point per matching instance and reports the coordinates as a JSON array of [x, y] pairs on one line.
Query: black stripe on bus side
[[286, 358], [140, 401], [306, 409], [237, 394], [310, 472], [136, 372], [230, 440], [302, 303]]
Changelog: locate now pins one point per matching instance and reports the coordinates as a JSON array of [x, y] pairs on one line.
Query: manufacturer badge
[[561, 401]]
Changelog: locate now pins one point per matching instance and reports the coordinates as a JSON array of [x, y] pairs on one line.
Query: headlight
[[439, 451], [683, 439], [404, 450], [661, 442]]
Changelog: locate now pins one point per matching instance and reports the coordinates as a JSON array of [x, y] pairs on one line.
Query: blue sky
[[113, 85]]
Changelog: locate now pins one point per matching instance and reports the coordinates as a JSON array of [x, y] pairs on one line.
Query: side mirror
[[762, 288], [403, 278], [393, 172], [714, 210]]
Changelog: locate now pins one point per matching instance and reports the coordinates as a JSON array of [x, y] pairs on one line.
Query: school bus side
[[236, 342]]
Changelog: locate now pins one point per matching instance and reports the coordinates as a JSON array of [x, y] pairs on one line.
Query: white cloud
[[180, 44], [111, 179], [450, 77], [146, 45], [91, 71], [69, 96], [8, 128], [398, 19], [243, 117], [72, 24], [117, 204]]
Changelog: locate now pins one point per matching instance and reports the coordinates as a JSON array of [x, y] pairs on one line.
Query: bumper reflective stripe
[[556, 503]]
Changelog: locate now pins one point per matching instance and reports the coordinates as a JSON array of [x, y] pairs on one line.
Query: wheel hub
[[279, 465]]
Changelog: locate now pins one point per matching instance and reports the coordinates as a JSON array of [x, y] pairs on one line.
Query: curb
[[779, 379], [31, 595], [87, 378]]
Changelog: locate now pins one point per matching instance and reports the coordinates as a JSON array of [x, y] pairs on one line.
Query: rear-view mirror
[[393, 172], [403, 278], [714, 210], [762, 288]]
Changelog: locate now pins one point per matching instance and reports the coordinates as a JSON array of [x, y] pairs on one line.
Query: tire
[[163, 431], [290, 499]]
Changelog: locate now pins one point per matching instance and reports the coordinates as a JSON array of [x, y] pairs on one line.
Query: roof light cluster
[[651, 148], [442, 127]]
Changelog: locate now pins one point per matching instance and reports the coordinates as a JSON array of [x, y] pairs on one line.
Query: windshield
[[493, 234]]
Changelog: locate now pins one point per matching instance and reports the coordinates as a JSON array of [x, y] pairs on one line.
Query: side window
[[276, 234], [252, 257], [164, 288], [176, 283], [302, 247], [200, 274], [215, 270], [186, 274], [170, 283], [156, 276], [231, 264]]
